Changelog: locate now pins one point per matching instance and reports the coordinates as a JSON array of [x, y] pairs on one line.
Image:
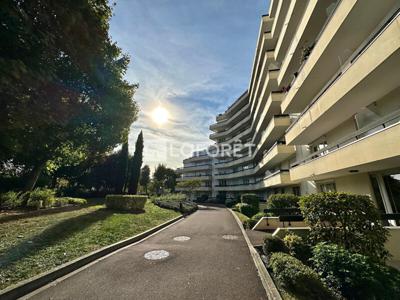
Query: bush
[[297, 247], [230, 202], [174, 201], [41, 198], [63, 201], [10, 200], [250, 223], [351, 221], [277, 201], [273, 244], [246, 209], [126, 202], [252, 200], [355, 276], [297, 278]]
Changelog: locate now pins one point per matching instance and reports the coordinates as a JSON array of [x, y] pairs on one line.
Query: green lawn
[[36, 244]]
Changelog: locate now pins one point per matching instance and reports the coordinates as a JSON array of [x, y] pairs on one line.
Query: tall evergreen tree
[[135, 165], [145, 177], [122, 169]]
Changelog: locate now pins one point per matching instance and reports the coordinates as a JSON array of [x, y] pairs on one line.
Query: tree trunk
[[33, 176]]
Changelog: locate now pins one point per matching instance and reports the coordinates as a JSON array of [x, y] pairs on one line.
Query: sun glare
[[160, 115]]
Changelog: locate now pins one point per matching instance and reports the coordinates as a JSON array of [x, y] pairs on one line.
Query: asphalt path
[[214, 264]]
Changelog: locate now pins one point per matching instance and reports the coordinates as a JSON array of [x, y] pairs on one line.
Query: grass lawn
[[30, 246], [241, 216]]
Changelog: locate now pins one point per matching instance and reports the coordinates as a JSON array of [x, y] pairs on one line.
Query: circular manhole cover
[[182, 238], [230, 237], [156, 255]]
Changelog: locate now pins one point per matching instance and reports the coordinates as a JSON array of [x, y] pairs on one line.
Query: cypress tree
[[135, 165], [122, 169]]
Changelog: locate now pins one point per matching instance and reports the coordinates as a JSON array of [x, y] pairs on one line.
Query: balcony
[[372, 72], [234, 107], [350, 25], [193, 168], [232, 131], [268, 85], [279, 19], [278, 153], [274, 131], [260, 78], [198, 189], [368, 150], [226, 122], [275, 179], [293, 16], [194, 177], [313, 19]]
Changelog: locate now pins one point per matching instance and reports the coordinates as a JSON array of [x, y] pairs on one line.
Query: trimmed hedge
[[351, 221], [250, 223], [355, 276], [273, 244], [277, 201], [126, 202], [246, 209], [177, 202], [298, 279], [252, 200]]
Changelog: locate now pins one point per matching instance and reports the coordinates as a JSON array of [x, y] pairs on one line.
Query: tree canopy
[[62, 91]]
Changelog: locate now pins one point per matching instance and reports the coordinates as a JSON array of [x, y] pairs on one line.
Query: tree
[[165, 176], [61, 84], [122, 169], [160, 173], [145, 177], [135, 165], [189, 186]]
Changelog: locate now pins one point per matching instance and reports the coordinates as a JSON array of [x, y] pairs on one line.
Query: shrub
[[230, 202], [246, 209], [252, 200], [126, 202], [41, 198], [10, 200], [297, 278], [273, 244], [63, 201], [277, 201], [297, 247], [351, 221], [355, 276], [174, 201], [250, 223]]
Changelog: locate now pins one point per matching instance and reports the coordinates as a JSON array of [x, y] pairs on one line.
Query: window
[[327, 187], [222, 182], [208, 183], [392, 184], [246, 181]]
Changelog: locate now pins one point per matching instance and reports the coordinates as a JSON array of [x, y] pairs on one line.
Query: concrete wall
[[393, 246]]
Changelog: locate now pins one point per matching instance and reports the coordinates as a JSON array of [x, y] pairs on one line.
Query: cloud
[[193, 58]]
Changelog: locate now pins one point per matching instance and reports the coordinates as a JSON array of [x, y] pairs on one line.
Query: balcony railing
[[352, 59], [257, 180], [357, 135]]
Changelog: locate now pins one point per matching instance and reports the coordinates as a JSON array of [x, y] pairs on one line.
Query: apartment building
[[322, 109]]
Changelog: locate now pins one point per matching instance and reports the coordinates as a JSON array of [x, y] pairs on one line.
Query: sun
[[160, 115]]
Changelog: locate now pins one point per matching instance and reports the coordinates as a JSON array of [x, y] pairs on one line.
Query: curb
[[266, 280], [27, 286]]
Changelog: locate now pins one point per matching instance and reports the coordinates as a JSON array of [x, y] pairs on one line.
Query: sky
[[191, 57]]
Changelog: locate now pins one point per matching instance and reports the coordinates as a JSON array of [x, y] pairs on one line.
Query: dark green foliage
[[250, 223], [273, 244], [177, 202], [298, 279], [126, 202], [246, 209], [230, 202], [122, 169], [145, 177], [135, 165], [167, 178], [355, 276], [351, 221], [41, 198], [10, 200], [297, 247], [252, 200], [63, 97], [277, 201]]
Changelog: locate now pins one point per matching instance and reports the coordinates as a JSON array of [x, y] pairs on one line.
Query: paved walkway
[[205, 267]]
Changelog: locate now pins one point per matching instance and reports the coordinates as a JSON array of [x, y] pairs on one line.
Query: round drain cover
[[156, 255], [181, 238], [230, 237]]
